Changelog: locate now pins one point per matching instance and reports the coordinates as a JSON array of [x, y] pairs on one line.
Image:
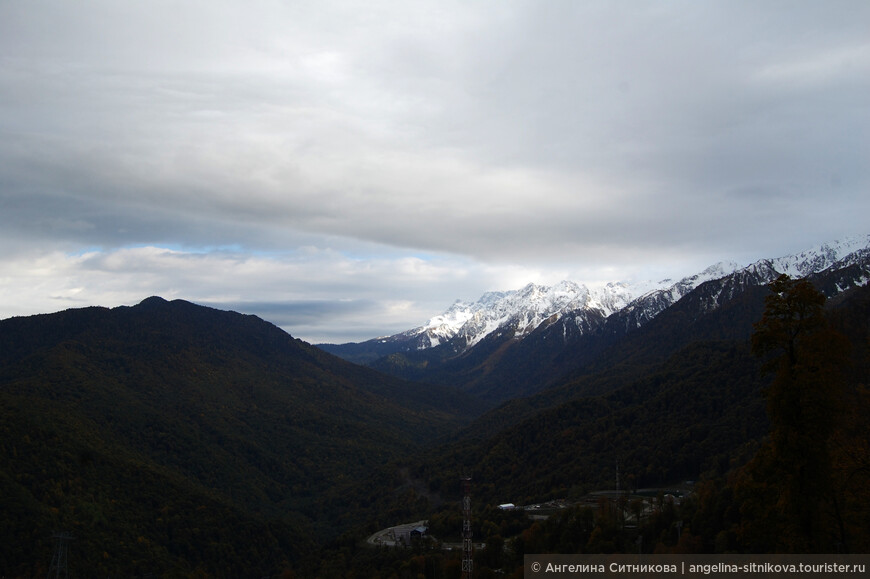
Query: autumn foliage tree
[[788, 502]]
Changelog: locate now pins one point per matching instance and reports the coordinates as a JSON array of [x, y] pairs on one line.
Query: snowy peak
[[444, 326], [800, 265], [677, 290], [524, 310], [553, 317], [517, 313], [811, 261], [716, 271], [520, 311], [819, 258]]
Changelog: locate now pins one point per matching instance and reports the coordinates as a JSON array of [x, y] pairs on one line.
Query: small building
[[418, 533]]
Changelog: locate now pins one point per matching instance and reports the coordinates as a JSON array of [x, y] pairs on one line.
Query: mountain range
[[534, 326], [178, 440], [678, 398]]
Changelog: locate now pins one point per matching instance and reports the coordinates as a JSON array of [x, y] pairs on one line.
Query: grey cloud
[[564, 135], [656, 95]]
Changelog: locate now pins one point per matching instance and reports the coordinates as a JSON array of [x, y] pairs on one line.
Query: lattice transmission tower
[[467, 546], [58, 567]]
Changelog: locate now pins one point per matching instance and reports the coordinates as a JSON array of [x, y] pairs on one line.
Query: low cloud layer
[[344, 168]]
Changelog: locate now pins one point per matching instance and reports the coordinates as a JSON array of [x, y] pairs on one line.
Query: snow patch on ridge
[[820, 257], [522, 311]]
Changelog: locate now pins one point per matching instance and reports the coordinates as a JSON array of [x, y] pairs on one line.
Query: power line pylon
[[467, 546], [58, 567]]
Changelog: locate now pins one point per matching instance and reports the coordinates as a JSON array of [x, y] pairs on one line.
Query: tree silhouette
[[786, 489]]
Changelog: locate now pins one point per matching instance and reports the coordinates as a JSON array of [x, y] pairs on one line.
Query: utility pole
[[58, 567], [467, 546], [618, 501], [617, 477]]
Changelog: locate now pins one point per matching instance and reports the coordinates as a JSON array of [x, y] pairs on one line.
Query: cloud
[[318, 295], [338, 143]]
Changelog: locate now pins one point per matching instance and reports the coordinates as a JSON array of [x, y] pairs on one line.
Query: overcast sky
[[349, 169]]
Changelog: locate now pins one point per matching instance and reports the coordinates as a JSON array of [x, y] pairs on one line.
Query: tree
[[786, 489]]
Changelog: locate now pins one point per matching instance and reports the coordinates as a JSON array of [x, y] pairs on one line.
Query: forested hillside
[[685, 416], [182, 441], [777, 454], [168, 436]]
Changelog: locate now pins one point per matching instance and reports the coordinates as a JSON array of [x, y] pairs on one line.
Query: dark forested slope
[[168, 435], [681, 397], [683, 400]]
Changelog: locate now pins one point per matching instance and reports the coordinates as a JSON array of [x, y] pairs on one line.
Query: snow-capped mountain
[[732, 278], [521, 310], [810, 261], [578, 309]]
